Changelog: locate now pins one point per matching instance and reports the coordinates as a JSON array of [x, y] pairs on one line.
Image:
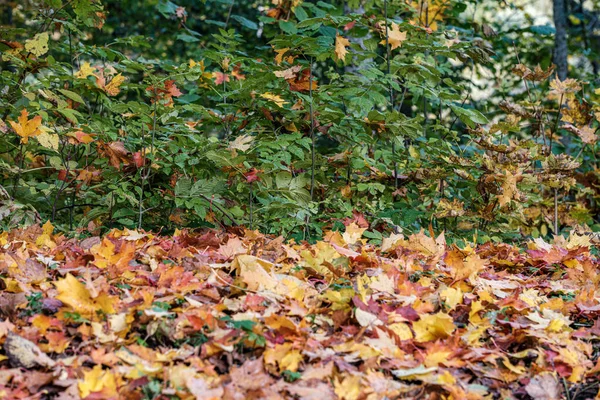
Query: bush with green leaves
[[291, 118]]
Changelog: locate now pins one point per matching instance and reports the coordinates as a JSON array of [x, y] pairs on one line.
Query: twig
[[219, 208], [312, 132], [556, 211], [389, 56]]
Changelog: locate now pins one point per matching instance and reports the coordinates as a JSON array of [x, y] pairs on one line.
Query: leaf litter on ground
[[242, 315]]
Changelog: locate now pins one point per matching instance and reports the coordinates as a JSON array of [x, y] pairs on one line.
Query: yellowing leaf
[[353, 233], [433, 326], [348, 388], [85, 71], [48, 139], [45, 239], [452, 297], [38, 45], [74, 294], [98, 380], [274, 98], [395, 37], [26, 127], [401, 330], [280, 54], [242, 143], [340, 47], [254, 272], [283, 355], [112, 89]]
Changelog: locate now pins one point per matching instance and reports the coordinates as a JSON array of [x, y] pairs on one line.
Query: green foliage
[[163, 114]]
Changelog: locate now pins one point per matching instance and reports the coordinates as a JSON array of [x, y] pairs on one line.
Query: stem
[[18, 176], [556, 123], [389, 56], [145, 172], [229, 13], [218, 207], [250, 205], [312, 133], [556, 211], [141, 198]]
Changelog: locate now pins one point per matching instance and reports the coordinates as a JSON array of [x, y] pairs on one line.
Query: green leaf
[[469, 116], [288, 27], [72, 95], [245, 22]]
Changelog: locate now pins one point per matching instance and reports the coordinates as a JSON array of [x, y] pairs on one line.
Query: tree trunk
[[560, 39]]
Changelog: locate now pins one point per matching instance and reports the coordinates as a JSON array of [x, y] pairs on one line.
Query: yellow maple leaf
[[45, 239], [433, 326], [112, 89], [395, 37], [340, 47], [283, 355], [353, 233], [274, 98], [48, 139], [38, 45], [429, 12], [348, 388], [74, 294], [98, 380], [452, 297], [26, 127], [85, 71], [254, 272], [280, 54]]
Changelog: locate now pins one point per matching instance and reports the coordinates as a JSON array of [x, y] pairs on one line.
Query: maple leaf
[[509, 188], [165, 93], [116, 153], [241, 143], [285, 356], [98, 381], [566, 88], [537, 75], [38, 45], [280, 54], [353, 233], [585, 133], [340, 47], [395, 37], [429, 12], [113, 87], [433, 326], [81, 137], [289, 73], [252, 175], [26, 127], [274, 98], [347, 388], [74, 294], [220, 77], [85, 71]]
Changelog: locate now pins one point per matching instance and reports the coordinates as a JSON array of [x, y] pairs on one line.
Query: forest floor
[[241, 315]]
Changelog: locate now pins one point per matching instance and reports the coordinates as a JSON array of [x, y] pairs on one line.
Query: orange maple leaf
[[26, 127]]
